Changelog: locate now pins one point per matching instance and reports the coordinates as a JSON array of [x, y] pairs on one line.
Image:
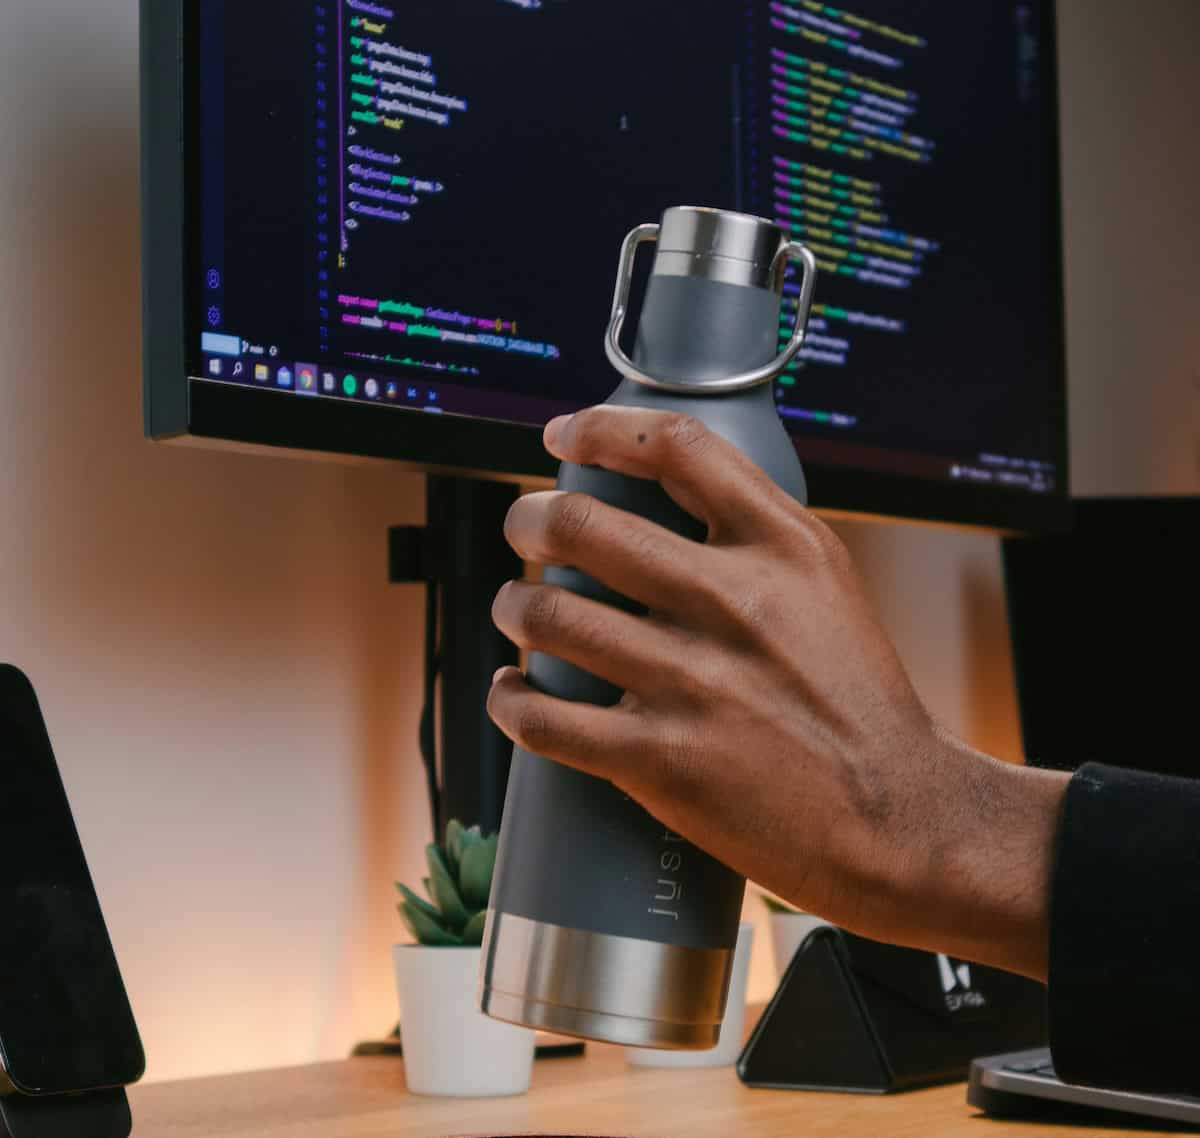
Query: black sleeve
[[1125, 933]]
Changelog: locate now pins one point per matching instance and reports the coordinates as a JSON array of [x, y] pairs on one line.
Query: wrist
[[965, 866], [990, 865]]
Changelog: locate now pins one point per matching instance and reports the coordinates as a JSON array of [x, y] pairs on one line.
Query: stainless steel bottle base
[[614, 989]]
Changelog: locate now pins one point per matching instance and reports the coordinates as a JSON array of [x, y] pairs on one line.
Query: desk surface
[[598, 1095]]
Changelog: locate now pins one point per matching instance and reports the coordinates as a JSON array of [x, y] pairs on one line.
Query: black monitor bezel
[[181, 405]]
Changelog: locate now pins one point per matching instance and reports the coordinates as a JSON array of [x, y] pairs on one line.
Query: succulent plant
[[458, 885], [774, 905]]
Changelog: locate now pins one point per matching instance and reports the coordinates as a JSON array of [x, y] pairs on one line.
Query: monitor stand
[[462, 558]]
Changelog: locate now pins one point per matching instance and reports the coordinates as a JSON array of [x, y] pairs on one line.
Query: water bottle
[[603, 923]]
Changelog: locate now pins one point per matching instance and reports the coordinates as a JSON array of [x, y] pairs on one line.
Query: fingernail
[[499, 673], [554, 429]]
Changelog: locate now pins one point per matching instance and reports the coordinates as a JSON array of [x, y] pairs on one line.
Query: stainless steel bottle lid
[[725, 248], [736, 248]]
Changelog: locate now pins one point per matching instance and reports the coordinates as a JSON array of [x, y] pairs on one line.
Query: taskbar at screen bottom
[[502, 429], [1021, 475], [438, 395]]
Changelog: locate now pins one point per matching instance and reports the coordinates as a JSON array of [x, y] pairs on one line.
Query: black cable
[[428, 729]]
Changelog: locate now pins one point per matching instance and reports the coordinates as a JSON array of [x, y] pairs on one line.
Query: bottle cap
[[736, 248], [726, 248]]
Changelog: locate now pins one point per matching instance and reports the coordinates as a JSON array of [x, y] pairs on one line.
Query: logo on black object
[[956, 984]]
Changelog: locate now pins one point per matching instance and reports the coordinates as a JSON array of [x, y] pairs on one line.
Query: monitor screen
[[416, 209]]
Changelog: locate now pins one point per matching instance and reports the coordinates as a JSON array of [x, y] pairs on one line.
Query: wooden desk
[[596, 1095]]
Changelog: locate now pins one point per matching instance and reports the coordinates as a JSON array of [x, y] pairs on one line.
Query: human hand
[[766, 715]]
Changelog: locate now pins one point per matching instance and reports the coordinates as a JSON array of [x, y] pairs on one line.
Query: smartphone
[[65, 1020]]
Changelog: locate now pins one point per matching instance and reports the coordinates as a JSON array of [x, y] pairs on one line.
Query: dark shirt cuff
[[1125, 936]]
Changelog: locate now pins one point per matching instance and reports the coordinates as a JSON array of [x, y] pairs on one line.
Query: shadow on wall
[[228, 678], [989, 688], [940, 595], [1132, 240]]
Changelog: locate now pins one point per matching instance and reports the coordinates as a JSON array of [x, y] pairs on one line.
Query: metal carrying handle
[[793, 251]]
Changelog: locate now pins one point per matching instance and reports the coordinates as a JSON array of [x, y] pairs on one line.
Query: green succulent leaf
[[776, 906], [444, 891], [475, 875], [418, 902], [473, 933], [427, 930], [454, 844], [470, 837]]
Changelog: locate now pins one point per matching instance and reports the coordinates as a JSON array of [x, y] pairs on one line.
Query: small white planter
[[450, 1047], [788, 931]]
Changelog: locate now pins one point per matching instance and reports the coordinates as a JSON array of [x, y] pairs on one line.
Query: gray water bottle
[[603, 923]]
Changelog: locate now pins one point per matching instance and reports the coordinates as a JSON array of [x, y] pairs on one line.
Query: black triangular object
[[814, 1034], [854, 1015]]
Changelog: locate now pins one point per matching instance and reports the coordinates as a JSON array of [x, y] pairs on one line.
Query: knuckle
[[679, 764], [532, 729], [567, 519], [540, 611], [821, 545], [802, 537], [756, 609], [686, 436]]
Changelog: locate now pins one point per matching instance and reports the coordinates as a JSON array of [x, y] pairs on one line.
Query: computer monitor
[[1105, 622], [391, 229]]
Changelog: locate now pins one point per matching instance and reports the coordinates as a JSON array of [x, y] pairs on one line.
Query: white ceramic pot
[[729, 1043], [450, 1047], [788, 931]]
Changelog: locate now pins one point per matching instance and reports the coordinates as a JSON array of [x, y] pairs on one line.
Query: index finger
[[704, 473]]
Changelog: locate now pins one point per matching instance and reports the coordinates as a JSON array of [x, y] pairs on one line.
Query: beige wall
[[230, 683], [226, 674], [1131, 156]]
